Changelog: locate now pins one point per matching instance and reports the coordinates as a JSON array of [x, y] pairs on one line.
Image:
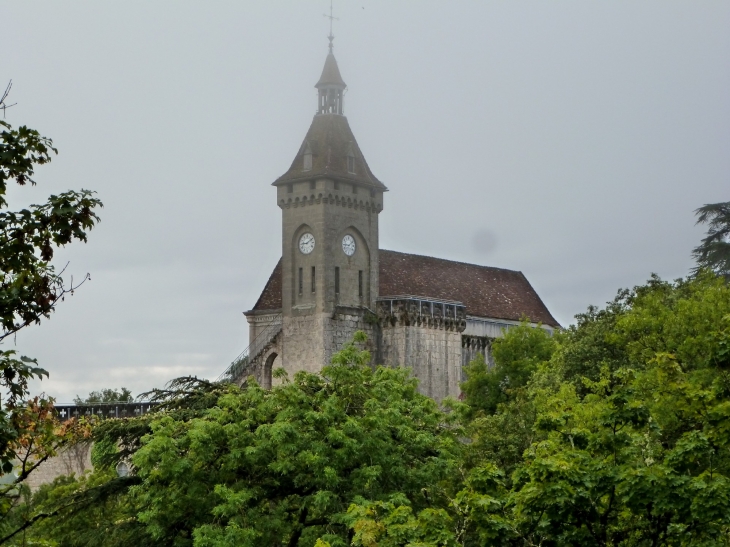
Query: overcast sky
[[568, 140]]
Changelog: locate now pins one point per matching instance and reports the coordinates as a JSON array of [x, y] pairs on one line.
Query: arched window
[[267, 378]]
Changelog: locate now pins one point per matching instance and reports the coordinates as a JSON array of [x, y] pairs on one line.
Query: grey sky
[[569, 140]]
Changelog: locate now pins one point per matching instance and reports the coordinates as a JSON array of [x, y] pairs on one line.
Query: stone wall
[[303, 346], [424, 335], [74, 459], [434, 356], [311, 340], [261, 327], [343, 326]]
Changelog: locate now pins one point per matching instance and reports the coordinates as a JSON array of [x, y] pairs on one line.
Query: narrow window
[[337, 280], [301, 280], [313, 278], [312, 184], [307, 162], [351, 164], [290, 188], [354, 189], [359, 283], [337, 185]]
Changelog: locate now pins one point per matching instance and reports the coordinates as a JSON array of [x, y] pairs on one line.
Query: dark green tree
[[714, 251], [107, 395]]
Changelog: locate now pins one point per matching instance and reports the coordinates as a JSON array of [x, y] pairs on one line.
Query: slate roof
[[330, 140], [330, 73], [485, 291]]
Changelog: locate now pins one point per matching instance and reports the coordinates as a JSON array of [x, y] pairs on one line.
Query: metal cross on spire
[[331, 18]]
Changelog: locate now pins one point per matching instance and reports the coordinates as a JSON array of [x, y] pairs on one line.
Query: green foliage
[[282, 466], [102, 452], [30, 289], [615, 434], [713, 253], [634, 451], [517, 355], [122, 395], [29, 286]]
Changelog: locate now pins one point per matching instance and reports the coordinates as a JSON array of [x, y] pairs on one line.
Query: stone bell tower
[[330, 202]]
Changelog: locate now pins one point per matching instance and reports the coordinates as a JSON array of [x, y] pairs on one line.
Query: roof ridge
[[452, 261]]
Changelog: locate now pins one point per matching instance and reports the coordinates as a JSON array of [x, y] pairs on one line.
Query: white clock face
[[306, 243], [348, 245]]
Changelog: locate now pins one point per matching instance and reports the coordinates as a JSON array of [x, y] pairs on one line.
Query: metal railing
[[239, 365], [121, 409]]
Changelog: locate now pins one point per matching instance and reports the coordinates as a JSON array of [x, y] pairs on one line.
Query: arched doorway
[[266, 380]]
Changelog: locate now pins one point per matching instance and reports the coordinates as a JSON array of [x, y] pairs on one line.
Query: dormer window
[[307, 155], [350, 160]]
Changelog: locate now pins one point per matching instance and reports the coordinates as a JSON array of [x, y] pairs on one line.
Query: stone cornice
[[332, 199], [421, 312]]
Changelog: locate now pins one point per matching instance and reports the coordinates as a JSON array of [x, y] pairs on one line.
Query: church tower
[[428, 314], [330, 202]]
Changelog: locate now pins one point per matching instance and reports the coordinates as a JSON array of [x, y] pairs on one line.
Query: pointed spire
[[331, 86], [330, 74]]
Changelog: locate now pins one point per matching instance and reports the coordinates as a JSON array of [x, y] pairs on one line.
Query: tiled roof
[[330, 73], [270, 298], [330, 141], [486, 292]]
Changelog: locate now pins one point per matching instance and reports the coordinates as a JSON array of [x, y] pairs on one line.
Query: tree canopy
[[106, 395], [615, 434]]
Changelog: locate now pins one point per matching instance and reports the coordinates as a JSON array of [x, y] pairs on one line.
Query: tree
[[107, 395], [516, 355], [30, 289], [630, 448], [714, 251], [221, 465]]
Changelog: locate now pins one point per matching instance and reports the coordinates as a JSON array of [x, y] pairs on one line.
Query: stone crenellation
[[332, 200]]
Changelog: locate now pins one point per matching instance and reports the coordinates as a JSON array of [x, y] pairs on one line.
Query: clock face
[[348, 245], [306, 243]]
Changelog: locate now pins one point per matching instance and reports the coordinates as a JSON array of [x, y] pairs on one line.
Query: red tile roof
[[270, 298], [485, 291]]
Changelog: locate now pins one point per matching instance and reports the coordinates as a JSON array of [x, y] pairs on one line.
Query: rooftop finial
[[331, 18]]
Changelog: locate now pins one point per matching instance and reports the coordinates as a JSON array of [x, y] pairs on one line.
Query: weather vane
[[331, 18]]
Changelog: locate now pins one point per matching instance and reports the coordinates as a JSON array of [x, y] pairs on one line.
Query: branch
[[3, 106], [63, 292], [28, 523], [80, 499]]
